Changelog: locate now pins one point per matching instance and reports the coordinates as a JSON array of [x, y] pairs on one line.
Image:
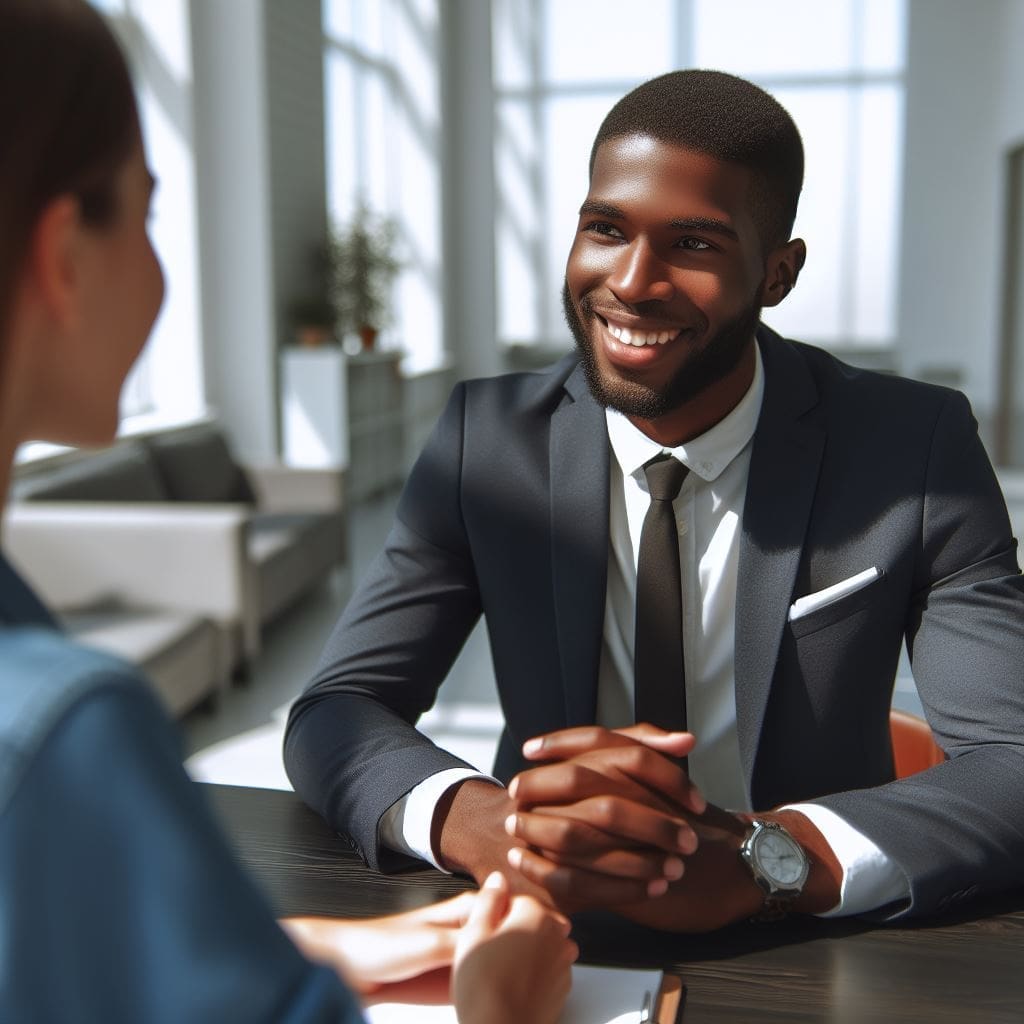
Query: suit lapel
[[579, 542], [784, 467]]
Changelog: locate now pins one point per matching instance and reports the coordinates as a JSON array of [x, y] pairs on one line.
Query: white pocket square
[[812, 602]]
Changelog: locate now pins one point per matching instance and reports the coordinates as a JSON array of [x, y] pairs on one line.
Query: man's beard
[[718, 358]]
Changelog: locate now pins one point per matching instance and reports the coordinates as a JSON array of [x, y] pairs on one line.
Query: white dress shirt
[[709, 514]]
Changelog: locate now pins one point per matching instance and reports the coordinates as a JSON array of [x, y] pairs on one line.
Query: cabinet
[[376, 402], [345, 410]]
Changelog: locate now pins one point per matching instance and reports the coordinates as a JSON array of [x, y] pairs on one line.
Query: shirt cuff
[[870, 878], [406, 825]]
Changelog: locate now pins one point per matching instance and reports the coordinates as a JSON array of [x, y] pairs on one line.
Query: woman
[[119, 900]]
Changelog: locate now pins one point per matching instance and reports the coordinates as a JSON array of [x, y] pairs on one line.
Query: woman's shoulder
[[44, 675], [42, 669]]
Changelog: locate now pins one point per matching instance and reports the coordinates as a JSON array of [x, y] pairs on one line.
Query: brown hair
[[68, 121]]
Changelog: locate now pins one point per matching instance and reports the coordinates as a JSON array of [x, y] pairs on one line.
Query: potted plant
[[313, 318], [313, 314], [364, 265]]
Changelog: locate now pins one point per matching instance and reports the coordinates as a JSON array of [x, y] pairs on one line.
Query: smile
[[640, 338]]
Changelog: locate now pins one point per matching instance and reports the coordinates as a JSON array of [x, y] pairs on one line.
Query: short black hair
[[727, 118]]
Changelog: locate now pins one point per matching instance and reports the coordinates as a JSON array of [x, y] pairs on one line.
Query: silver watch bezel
[[771, 886]]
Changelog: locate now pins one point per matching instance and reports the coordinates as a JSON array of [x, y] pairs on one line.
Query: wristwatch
[[779, 866]]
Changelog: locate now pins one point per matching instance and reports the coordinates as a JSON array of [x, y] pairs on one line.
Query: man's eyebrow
[[712, 224], [598, 209]]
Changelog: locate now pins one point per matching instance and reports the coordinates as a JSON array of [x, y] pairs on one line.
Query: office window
[[166, 385], [382, 104], [559, 65]]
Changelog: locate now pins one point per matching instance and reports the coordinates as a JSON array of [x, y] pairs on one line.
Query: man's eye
[[601, 227], [693, 244]]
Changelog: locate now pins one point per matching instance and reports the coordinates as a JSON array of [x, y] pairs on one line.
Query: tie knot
[[665, 476]]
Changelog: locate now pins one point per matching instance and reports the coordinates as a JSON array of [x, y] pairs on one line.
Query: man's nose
[[640, 275]]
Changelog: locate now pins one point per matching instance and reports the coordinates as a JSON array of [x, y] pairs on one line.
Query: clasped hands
[[609, 819]]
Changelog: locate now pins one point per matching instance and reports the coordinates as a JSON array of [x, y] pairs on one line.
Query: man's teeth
[[640, 338]]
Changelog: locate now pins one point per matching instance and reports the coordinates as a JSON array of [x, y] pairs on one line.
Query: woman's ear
[[55, 265], [782, 268]]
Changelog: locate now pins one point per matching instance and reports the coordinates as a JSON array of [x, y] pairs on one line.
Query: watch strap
[[774, 908]]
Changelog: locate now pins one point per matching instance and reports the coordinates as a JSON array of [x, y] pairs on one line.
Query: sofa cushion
[[271, 533], [125, 472], [177, 652], [196, 465]]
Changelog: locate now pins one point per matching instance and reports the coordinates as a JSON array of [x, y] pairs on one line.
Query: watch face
[[780, 858]]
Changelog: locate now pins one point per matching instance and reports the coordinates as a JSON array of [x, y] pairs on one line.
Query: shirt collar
[[706, 455]]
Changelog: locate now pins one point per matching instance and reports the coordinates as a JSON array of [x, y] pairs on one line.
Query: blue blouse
[[119, 898]]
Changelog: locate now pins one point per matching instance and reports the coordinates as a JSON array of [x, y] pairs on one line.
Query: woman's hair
[[68, 122]]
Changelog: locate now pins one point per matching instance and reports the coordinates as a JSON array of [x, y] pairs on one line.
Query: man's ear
[[55, 260], [782, 268]]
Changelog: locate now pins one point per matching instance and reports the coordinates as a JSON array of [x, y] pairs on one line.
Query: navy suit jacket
[[506, 514]]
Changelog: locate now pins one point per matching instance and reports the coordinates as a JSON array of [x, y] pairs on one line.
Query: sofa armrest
[[282, 488], [160, 555]]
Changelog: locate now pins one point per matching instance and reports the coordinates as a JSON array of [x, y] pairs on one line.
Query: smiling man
[[698, 549]]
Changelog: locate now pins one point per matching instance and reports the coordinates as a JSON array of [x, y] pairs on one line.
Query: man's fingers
[[573, 888], [594, 853], [675, 744], [631, 770], [565, 743], [600, 824], [578, 837], [568, 782], [578, 742]]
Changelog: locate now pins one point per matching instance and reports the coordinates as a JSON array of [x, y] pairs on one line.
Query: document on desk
[[600, 995]]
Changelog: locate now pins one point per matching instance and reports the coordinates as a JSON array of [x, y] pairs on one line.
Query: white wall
[[1012, 66], [233, 178], [260, 159], [468, 199], [960, 63], [295, 113]]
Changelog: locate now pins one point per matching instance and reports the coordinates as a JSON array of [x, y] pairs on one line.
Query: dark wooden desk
[[968, 968]]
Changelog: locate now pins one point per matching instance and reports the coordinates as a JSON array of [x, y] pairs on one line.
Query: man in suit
[[824, 515]]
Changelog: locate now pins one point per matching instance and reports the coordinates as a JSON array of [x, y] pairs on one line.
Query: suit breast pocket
[[837, 610]]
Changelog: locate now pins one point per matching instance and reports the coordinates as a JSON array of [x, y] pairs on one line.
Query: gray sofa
[[180, 654], [173, 525]]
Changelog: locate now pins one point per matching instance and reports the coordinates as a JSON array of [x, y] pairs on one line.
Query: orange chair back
[[913, 746]]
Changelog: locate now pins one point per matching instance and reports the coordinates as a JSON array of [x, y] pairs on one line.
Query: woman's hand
[[405, 957], [512, 960]]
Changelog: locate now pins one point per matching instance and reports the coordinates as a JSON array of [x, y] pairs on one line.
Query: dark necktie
[[660, 687]]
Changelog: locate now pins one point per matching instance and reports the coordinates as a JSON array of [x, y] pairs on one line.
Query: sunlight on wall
[[382, 102], [166, 385]]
